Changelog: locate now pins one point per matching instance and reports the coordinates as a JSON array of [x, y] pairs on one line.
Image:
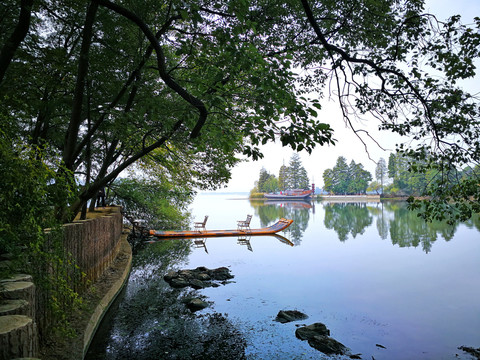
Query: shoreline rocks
[[470, 350], [195, 304], [198, 278], [285, 316], [318, 337]]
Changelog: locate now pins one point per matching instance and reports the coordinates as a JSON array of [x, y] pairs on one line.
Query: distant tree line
[[403, 175], [417, 176], [293, 176]]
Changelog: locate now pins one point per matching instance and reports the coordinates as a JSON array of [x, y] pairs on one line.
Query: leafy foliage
[[297, 177], [293, 176], [173, 86], [158, 205], [30, 194], [346, 179]]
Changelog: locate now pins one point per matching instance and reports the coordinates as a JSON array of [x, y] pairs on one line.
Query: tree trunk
[[15, 307], [76, 116], [14, 41], [14, 290], [18, 337]]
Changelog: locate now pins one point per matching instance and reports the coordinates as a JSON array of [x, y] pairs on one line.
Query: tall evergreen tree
[[391, 166], [297, 175], [283, 178], [358, 179], [346, 179], [262, 179], [381, 171]]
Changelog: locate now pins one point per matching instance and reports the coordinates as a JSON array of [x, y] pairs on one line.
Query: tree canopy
[[100, 85], [297, 176], [293, 176], [346, 179]]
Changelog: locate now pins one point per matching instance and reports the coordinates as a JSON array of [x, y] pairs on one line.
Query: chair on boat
[[201, 225], [244, 224]]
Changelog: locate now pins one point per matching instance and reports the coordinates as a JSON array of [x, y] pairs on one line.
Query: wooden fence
[[93, 243]]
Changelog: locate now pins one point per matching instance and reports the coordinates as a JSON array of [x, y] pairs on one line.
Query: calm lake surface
[[373, 273]]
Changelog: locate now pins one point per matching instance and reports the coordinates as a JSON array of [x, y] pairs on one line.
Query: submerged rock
[[195, 304], [308, 332], [198, 278], [327, 345], [472, 351], [285, 316], [318, 337]]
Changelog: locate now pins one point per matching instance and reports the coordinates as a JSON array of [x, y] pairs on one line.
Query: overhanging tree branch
[[134, 74], [21, 30], [76, 117], [91, 191], [168, 80], [379, 71]]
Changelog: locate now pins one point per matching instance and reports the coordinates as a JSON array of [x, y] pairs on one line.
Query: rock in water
[[196, 304], [308, 332], [327, 345], [198, 278], [285, 316], [318, 337], [472, 351]]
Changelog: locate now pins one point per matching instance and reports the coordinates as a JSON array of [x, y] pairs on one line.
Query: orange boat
[[278, 226]]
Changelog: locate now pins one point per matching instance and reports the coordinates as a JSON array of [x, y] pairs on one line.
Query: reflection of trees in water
[[299, 212], [474, 222], [407, 229], [151, 321], [300, 223], [392, 219], [347, 218], [381, 220]]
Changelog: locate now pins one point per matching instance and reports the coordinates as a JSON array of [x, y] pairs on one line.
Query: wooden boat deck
[[278, 226]]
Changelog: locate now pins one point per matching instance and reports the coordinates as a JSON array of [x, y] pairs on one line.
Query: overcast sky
[[348, 145]]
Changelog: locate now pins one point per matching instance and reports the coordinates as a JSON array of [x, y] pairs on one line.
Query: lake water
[[373, 273]]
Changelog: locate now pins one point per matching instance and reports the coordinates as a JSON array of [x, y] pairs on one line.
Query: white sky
[[347, 145]]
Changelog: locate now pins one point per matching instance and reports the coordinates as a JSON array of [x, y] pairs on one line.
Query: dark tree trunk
[[14, 41]]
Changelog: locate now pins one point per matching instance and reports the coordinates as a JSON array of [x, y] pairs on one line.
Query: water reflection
[[298, 211], [201, 243], [367, 291], [245, 240], [150, 320], [407, 229], [392, 220], [347, 218]]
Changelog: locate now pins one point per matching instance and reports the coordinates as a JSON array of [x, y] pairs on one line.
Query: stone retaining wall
[[92, 244]]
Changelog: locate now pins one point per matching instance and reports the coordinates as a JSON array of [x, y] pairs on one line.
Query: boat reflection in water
[[297, 210], [293, 204], [244, 240]]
